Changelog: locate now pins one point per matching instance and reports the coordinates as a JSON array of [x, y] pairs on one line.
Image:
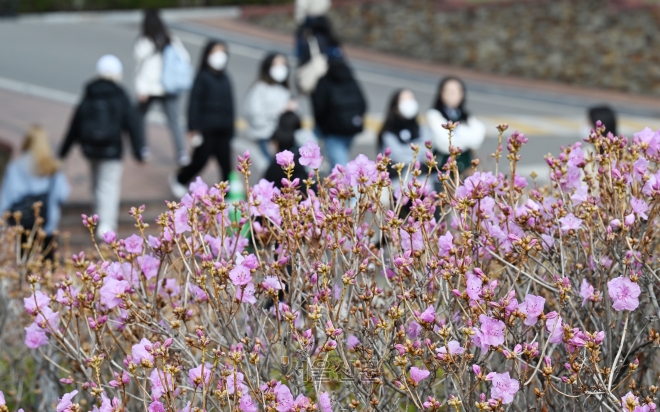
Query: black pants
[[215, 144]]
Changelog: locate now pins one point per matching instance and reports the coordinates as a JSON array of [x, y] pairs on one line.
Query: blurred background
[[535, 65]]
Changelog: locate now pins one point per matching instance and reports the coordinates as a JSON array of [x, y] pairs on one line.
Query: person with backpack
[[468, 135], [285, 138], [163, 72], [210, 117], [267, 99], [35, 176], [97, 125], [339, 107]]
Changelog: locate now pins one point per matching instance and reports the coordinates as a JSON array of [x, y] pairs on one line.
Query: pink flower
[[170, 288], [649, 141], [586, 291], [160, 386], [133, 244], [580, 195], [413, 330], [570, 222], [639, 207], [2, 399], [111, 291], [198, 188], [284, 159], [240, 275], [109, 236], [195, 375], [65, 403], [37, 300], [35, 336], [263, 193], [473, 286], [428, 315], [310, 155], [504, 387], [246, 295], [492, 331], [532, 307], [181, 224], [197, 293], [418, 375], [554, 327], [156, 406], [624, 293], [149, 266], [139, 351], [352, 341], [283, 397], [231, 385], [454, 347], [271, 283], [48, 320], [324, 402], [247, 404], [362, 170], [446, 244]]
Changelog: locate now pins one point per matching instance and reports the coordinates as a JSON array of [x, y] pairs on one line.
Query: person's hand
[[143, 98], [291, 106]]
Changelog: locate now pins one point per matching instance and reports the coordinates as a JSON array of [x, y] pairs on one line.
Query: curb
[[129, 16]]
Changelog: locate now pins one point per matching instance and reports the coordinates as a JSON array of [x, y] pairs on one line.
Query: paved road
[[52, 60]]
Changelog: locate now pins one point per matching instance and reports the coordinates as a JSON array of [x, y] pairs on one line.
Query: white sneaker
[[183, 159], [178, 190]]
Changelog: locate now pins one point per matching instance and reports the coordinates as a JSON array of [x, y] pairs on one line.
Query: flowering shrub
[[486, 295]]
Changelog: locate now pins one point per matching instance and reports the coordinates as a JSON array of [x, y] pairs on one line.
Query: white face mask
[[408, 108], [279, 73], [217, 60]]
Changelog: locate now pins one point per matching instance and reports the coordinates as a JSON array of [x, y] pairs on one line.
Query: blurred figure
[[99, 120], [267, 99], [606, 115], [309, 9], [210, 117], [401, 128], [468, 135], [35, 176], [339, 108], [151, 52], [316, 31], [284, 138]]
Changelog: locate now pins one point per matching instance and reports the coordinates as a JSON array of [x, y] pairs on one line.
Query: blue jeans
[[337, 148], [265, 149]]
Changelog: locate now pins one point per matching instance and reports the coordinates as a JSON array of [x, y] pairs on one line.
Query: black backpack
[[347, 107], [25, 206], [100, 124]]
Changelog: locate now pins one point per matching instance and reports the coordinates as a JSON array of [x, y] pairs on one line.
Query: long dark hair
[[264, 69], [439, 104], [203, 62], [285, 133], [322, 27], [606, 115], [394, 122], [154, 29]]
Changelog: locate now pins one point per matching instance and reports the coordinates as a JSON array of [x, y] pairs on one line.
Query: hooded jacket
[[121, 114], [338, 102]]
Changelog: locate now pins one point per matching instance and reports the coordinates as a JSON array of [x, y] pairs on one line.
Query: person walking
[[467, 136], [339, 107], [267, 99], [97, 125], [151, 55], [210, 117], [35, 176]]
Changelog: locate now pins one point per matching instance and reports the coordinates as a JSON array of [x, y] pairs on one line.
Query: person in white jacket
[[267, 99], [310, 8], [148, 53], [468, 135]]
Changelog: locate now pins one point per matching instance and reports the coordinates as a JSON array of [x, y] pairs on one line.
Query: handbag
[[308, 75], [25, 206]]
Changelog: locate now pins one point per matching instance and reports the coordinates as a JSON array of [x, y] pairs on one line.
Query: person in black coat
[[339, 108], [210, 117], [99, 120], [284, 138]]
